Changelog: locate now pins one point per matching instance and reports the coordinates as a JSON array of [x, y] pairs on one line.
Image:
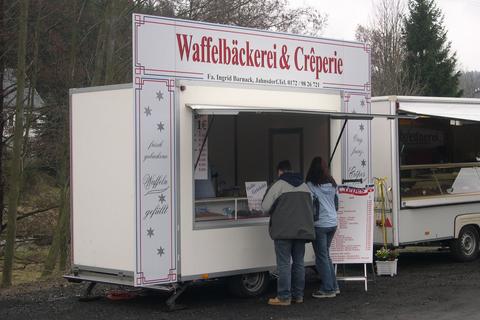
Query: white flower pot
[[387, 268]]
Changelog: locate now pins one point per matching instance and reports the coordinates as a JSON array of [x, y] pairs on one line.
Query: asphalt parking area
[[428, 286]]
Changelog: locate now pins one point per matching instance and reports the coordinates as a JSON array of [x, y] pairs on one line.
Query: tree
[[429, 59], [3, 41], [81, 43], [384, 34], [59, 247], [273, 15], [16, 158]]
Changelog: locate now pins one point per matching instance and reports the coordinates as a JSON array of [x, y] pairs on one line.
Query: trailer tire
[[248, 285], [466, 247]]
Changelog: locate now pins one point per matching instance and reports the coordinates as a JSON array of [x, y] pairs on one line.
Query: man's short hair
[[284, 166]]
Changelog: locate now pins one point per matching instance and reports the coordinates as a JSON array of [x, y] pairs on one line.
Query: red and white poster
[[353, 241], [200, 144]]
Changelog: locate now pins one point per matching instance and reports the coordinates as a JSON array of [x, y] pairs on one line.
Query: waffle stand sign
[[168, 52]]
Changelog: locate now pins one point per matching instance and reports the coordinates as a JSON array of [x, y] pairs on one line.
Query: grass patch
[[28, 263]]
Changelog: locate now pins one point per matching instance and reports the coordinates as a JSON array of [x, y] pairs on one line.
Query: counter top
[[226, 199]]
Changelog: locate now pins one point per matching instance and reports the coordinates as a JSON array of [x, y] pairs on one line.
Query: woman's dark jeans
[[321, 246]]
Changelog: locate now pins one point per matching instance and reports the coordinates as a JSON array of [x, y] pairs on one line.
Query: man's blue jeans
[[321, 246], [290, 268]]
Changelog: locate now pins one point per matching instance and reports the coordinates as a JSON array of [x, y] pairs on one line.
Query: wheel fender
[[463, 220]]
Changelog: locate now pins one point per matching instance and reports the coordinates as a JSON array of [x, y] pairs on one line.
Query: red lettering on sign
[[220, 51]]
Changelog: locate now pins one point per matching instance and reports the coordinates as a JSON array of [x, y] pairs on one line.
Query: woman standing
[[324, 188]]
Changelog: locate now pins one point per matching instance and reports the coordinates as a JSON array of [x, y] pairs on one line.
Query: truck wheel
[[248, 285], [465, 248]]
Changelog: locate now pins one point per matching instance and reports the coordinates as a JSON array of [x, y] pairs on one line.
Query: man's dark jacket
[[289, 203]]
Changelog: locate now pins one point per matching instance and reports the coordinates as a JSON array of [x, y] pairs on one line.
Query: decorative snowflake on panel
[[362, 103], [362, 127], [161, 198], [364, 163], [159, 95], [148, 111], [160, 251], [160, 126], [150, 232]]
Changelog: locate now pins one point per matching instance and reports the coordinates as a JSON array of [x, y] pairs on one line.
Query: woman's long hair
[[318, 173]]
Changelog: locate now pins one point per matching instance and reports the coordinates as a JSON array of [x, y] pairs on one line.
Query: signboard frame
[[360, 220], [368, 192], [309, 55]]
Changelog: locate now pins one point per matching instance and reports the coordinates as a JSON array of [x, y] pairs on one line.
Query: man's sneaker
[[278, 302], [337, 292], [320, 294], [297, 300]]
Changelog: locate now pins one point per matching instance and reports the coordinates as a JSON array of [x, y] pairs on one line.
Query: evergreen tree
[[429, 59]]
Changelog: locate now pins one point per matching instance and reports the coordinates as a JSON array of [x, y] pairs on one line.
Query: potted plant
[[386, 261]]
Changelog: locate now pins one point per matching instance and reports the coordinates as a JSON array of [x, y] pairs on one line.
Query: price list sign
[[353, 241]]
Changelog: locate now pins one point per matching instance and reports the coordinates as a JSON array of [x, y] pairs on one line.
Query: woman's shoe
[[297, 300], [320, 294]]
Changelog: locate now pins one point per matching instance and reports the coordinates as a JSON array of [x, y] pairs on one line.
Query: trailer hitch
[[87, 295], [171, 302]]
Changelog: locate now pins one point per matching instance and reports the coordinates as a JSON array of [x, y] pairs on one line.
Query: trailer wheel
[[465, 248], [248, 285]]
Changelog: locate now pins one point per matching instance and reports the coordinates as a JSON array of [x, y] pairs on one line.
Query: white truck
[[431, 169]]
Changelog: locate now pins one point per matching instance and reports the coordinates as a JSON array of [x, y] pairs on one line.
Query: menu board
[[255, 192], [353, 241]]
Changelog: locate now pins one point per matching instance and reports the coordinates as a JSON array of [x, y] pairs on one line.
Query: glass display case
[[225, 209], [445, 180]]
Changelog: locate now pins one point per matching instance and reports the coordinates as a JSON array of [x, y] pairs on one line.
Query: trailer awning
[[456, 111], [234, 110]]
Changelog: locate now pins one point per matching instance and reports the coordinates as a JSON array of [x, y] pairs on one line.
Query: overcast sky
[[462, 21]]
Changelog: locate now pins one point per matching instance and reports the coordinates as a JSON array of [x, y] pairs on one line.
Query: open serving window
[[236, 153], [439, 161], [238, 136]]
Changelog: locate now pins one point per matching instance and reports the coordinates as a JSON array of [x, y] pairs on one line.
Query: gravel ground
[[428, 286]]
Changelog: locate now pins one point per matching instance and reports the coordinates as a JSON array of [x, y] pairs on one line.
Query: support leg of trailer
[[171, 302], [87, 295]]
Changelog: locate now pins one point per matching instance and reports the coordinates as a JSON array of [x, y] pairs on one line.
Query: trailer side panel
[[383, 165], [102, 179]]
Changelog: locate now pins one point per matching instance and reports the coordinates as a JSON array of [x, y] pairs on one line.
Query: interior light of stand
[[456, 123]]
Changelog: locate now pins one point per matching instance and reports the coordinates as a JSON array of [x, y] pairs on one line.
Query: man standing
[[289, 203]]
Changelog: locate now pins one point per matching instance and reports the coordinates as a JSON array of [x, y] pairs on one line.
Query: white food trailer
[[159, 167], [432, 170]]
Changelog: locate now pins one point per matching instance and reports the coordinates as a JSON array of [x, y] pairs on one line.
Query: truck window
[[439, 158]]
